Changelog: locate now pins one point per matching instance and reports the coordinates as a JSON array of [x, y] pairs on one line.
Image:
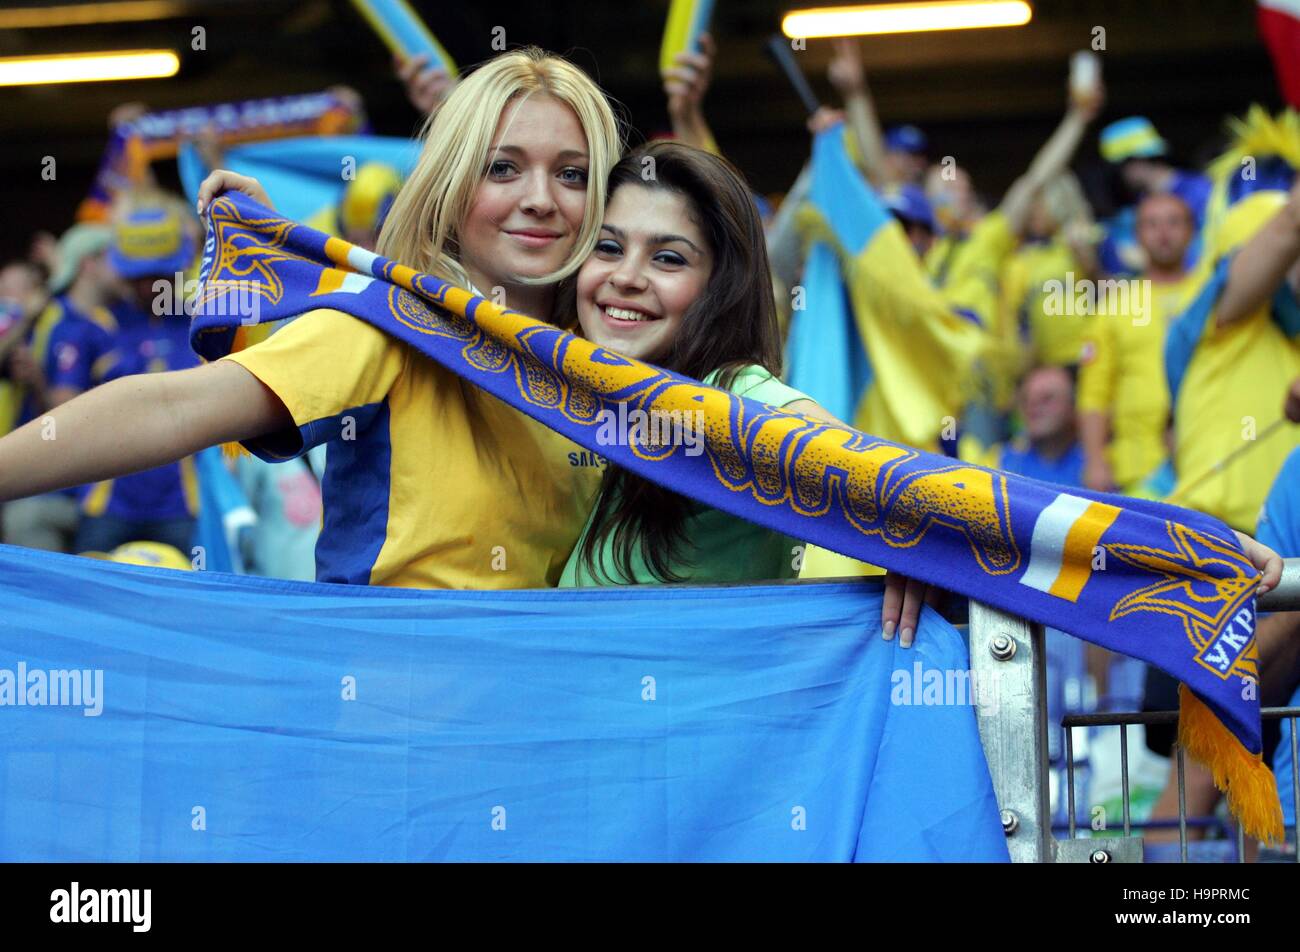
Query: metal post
[[1009, 667], [1286, 597]]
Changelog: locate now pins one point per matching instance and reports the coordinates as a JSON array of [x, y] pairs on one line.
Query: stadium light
[[81, 14], [905, 18], [87, 67]]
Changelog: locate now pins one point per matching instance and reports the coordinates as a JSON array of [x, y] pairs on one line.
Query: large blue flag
[[1167, 585], [222, 717], [827, 358]]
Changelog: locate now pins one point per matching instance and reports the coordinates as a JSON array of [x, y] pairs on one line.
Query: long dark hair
[[730, 326]]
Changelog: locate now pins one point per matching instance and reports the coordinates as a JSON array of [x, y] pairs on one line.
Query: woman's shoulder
[[756, 382], [325, 342], [329, 329]]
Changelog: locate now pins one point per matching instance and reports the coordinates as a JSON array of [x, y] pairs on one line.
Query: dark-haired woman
[[679, 278]]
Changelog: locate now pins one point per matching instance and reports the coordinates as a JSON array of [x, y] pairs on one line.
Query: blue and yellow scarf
[[1163, 584]]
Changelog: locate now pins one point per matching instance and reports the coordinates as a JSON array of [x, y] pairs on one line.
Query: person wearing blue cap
[[1139, 156], [153, 245], [909, 205], [906, 151]]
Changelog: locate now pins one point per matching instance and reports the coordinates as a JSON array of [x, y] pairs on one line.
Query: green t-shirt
[[718, 547]]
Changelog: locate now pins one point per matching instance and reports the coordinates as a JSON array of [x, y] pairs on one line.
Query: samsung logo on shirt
[[586, 458]]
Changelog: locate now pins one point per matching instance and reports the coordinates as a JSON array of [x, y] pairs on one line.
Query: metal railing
[[1010, 652]]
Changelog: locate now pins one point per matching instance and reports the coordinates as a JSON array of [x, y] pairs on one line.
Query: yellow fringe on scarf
[[1244, 777]]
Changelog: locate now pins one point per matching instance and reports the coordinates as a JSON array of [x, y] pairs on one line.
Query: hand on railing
[[1264, 559], [901, 612]]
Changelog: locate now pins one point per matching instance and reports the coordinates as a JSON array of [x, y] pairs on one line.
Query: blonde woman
[[429, 483]]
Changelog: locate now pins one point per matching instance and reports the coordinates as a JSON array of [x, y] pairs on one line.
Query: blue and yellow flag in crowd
[[874, 340], [688, 20], [403, 32], [1167, 585]]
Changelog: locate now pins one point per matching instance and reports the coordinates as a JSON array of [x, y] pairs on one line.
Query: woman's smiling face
[[528, 209], [651, 263]]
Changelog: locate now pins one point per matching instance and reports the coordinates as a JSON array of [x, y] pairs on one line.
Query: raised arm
[[685, 85], [1052, 159], [784, 246], [136, 423], [426, 86], [850, 80], [1262, 265]]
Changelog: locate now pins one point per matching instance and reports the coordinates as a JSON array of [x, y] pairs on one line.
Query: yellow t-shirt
[[429, 482], [968, 271], [1123, 376], [1228, 385], [922, 343], [1054, 338]]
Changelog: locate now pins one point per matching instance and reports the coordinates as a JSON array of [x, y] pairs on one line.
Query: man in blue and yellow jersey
[[1123, 397], [153, 242], [1235, 348], [73, 331], [20, 299]]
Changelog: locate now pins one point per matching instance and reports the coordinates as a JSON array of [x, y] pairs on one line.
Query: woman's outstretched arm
[[136, 423]]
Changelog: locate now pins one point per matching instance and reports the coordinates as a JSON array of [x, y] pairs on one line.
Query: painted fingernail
[[889, 631], [905, 638]]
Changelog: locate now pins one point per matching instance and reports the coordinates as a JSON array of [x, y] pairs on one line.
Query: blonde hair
[[420, 230]]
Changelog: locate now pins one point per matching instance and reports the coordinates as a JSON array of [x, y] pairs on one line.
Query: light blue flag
[[827, 359], [233, 718], [302, 175]]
